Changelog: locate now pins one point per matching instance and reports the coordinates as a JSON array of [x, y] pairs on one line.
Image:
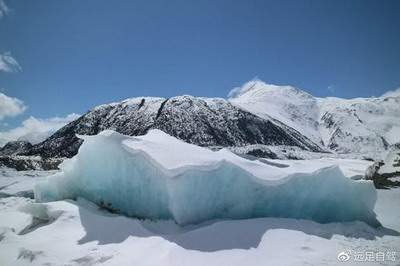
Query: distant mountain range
[[360, 126], [258, 115], [201, 121]]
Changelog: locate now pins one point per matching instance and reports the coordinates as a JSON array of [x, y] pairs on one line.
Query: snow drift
[[157, 176]]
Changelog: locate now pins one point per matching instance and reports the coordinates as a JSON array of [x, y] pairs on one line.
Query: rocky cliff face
[[23, 163], [206, 122], [15, 147]]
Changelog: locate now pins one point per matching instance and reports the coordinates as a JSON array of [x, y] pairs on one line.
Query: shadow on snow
[[107, 228]]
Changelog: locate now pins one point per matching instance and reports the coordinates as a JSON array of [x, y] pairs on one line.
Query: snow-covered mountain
[[258, 119], [15, 147], [202, 121], [362, 126]]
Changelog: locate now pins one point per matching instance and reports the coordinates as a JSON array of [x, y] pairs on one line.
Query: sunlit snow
[[160, 177]]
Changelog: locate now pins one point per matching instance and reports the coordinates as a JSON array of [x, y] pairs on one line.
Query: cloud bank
[[10, 107], [32, 129], [36, 130], [9, 64]]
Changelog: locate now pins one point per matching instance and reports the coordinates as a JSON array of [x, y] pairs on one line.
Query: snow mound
[[157, 176]]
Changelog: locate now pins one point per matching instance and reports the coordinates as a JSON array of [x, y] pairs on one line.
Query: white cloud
[[235, 92], [3, 8], [10, 107], [393, 93], [35, 130], [8, 63]]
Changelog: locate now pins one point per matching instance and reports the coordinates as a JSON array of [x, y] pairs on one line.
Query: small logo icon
[[343, 256]]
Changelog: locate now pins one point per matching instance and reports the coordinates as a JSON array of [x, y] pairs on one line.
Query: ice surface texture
[[159, 177]]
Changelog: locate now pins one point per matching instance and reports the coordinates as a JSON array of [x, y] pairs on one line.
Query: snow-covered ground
[[20, 183], [79, 233]]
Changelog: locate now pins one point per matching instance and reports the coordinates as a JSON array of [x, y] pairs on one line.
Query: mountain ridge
[[347, 126], [257, 115], [210, 122]]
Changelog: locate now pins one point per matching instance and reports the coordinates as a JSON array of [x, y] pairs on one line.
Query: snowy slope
[[289, 105], [364, 126], [361, 125]]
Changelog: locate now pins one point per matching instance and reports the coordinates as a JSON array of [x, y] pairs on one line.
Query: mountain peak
[[360, 125], [208, 122], [257, 88]]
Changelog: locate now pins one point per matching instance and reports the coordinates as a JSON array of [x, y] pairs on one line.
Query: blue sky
[[77, 54]]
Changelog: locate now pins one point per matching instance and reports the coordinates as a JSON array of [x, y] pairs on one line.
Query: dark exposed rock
[[23, 163], [15, 147], [382, 172], [262, 153], [201, 121]]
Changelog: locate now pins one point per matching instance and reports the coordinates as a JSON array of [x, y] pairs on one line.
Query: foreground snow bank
[[159, 177]]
